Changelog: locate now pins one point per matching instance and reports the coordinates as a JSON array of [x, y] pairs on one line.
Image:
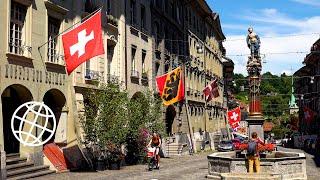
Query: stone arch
[[11, 98], [137, 95], [56, 101], [170, 115]]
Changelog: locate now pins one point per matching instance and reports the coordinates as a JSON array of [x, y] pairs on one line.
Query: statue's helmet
[[250, 29]]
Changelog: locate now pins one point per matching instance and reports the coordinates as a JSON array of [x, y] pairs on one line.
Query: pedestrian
[[155, 141], [253, 153]]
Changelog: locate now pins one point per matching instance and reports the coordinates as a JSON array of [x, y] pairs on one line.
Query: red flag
[[83, 42], [308, 114], [234, 117], [212, 90], [171, 87]]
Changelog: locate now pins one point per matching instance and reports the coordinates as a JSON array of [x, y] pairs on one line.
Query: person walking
[[253, 153], [155, 141]]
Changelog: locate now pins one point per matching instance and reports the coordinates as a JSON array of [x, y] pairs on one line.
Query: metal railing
[[93, 75], [135, 73]]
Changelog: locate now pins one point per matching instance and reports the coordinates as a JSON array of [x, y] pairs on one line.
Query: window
[[17, 28], [172, 8], [143, 17], [166, 6], [133, 11], [166, 67], [109, 58], [157, 66], [194, 22], [178, 15], [143, 58], [53, 31], [109, 7], [190, 17], [88, 69], [133, 61]]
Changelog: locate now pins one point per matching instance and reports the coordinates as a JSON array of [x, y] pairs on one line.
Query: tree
[[111, 120]]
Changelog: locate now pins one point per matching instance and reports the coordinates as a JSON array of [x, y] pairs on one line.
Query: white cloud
[[282, 30], [309, 2]]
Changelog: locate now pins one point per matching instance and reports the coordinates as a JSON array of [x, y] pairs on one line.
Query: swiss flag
[[234, 117], [83, 42], [212, 90]]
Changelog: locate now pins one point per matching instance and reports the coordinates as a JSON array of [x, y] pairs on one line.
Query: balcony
[[18, 48], [93, 77], [55, 58], [113, 79], [144, 79], [135, 76], [112, 21], [92, 5]]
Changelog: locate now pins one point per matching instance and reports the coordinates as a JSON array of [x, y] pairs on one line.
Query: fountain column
[[255, 119]]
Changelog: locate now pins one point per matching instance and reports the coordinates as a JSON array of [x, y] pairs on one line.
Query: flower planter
[[100, 165], [114, 166]]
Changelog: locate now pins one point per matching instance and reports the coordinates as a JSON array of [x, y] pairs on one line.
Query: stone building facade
[[206, 51], [138, 46], [33, 69], [188, 34], [142, 39], [307, 87]]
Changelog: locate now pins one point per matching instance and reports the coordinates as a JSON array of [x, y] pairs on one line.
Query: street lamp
[[312, 79], [234, 83], [199, 48]]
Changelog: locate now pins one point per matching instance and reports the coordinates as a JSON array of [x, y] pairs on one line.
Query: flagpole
[[187, 110], [85, 18]]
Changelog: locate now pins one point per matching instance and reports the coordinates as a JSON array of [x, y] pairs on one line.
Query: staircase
[[173, 148], [19, 168]]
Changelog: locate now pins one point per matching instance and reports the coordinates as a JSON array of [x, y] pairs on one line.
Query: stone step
[[33, 175], [27, 170], [247, 176], [19, 166], [15, 160], [13, 155]]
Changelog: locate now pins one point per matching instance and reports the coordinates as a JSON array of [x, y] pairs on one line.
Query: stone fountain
[[275, 165]]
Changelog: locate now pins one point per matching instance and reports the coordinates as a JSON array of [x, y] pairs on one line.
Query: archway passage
[[11, 98], [55, 100], [170, 115]]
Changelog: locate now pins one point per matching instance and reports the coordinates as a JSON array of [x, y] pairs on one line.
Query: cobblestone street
[[179, 167], [183, 167]]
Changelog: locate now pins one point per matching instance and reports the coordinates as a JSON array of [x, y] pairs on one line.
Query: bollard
[[3, 170]]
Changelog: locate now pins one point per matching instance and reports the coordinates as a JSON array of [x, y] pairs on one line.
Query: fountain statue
[[274, 164], [255, 119]]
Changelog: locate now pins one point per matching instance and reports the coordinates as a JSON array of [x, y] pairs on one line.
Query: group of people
[[252, 151]]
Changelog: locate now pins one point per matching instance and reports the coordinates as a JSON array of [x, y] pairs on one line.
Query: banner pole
[[187, 110]]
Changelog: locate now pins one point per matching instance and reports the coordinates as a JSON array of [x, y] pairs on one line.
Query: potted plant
[[114, 156]]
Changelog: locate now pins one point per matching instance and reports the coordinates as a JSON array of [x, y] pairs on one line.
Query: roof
[[305, 70], [216, 20]]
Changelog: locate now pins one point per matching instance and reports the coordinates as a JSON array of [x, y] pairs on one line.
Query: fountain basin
[[275, 165]]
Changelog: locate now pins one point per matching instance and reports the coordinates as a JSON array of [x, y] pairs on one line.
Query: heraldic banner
[[171, 87]]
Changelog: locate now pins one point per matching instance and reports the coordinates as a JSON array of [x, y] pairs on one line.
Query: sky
[[282, 25]]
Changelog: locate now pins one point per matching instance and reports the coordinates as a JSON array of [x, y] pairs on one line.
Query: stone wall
[[3, 171], [287, 165]]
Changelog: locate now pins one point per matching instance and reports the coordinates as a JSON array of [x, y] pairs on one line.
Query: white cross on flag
[[212, 90], [83, 42], [234, 117]]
